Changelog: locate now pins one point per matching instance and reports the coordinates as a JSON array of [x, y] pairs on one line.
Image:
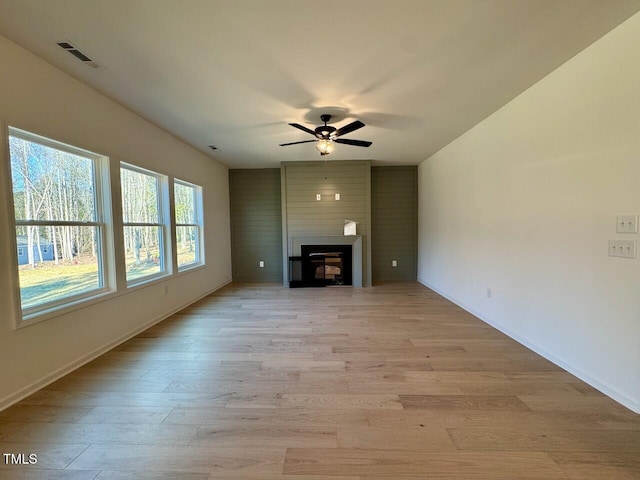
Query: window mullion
[[56, 223], [142, 224]]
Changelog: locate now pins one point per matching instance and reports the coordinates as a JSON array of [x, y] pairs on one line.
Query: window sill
[[37, 317], [189, 268], [24, 321]]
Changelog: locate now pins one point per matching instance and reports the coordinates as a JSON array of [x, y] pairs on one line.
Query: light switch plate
[[627, 224], [622, 248]]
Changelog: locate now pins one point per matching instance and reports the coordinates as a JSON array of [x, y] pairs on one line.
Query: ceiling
[[233, 73]]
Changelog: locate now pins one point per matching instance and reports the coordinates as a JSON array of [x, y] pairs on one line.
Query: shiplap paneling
[[306, 216], [394, 223], [256, 224]]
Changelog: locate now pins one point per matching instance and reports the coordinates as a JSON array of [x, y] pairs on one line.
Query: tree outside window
[[188, 201], [144, 227]]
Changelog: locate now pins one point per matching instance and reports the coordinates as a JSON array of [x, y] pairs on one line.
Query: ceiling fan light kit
[[327, 135], [325, 147]]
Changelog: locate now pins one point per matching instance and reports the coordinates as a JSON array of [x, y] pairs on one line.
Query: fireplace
[[330, 251], [321, 266], [324, 265]]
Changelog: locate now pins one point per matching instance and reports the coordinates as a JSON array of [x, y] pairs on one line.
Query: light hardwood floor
[[261, 382]]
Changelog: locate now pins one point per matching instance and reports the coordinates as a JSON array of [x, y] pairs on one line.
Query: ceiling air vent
[[78, 54]]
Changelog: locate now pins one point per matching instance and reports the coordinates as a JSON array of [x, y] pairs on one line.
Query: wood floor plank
[[527, 421], [620, 421], [403, 387], [98, 384], [102, 433], [250, 437], [388, 366], [45, 413], [244, 388], [304, 365], [545, 440], [426, 438], [338, 401], [175, 459], [572, 403], [296, 417], [462, 476], [464, 402], [151, 475], [262, 382], [94, 399], [513, 387], [283, 477], [300, 461], [42, 474], [126, 415], [592, 466]]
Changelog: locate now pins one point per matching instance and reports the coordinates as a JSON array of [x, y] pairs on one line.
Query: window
[[188, 221], [57, 201], [143, 215]]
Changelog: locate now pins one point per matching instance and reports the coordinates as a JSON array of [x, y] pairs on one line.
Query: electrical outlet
[[261, 264], [622, 248], [394, 263], [166, 290], [627, 224], [489, 293]]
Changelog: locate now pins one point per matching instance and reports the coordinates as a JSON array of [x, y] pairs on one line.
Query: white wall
[[525, 202], [37, 97]]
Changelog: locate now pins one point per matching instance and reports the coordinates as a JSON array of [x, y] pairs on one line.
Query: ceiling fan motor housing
[[324, 131]]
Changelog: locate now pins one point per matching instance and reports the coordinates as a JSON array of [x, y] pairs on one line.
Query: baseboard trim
[[33, 387], [598, 385]]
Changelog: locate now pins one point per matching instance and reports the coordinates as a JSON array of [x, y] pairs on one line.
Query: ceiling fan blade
[[348, 128], [303, 128], [295, 143], [357, 143]]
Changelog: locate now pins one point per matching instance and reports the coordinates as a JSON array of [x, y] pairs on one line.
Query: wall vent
[[78, 54]]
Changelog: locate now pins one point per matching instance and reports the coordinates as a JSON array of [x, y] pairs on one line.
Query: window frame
[[110, 250], [163, 224], [198, 224], [102, 222]]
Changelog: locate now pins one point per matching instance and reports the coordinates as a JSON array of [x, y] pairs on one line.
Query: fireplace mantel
[[355, 241]]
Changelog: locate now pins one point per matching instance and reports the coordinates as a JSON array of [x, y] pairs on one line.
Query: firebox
[[326, 265]]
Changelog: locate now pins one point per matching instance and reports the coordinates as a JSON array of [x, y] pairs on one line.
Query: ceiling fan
[[327, 136]]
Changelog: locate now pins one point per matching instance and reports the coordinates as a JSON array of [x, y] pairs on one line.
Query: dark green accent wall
[[256, 219], [256, 225], [394, 223]]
